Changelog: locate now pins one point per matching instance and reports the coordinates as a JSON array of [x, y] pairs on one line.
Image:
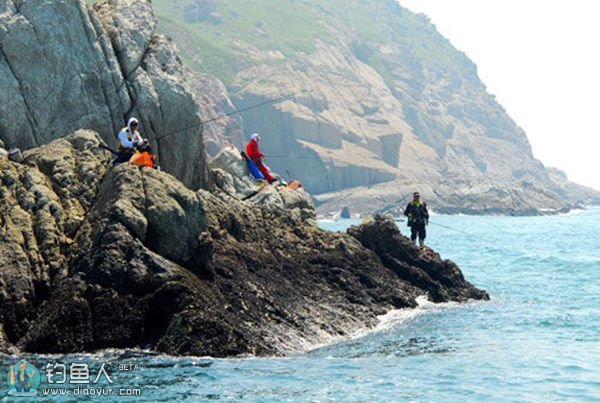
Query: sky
[[541, 60]]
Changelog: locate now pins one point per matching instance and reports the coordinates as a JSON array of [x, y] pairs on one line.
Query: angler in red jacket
[[255, 155]]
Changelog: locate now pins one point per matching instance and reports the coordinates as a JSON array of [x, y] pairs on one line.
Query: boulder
[[224, 128], [4, 344], [231, 173], [56, 50], [232, 176], [441, 279]]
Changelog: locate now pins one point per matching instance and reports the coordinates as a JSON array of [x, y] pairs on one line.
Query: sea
[[537, 340]]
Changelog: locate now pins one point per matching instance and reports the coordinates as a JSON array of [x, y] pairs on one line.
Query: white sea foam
[[388, 321], [577, 211], [291, 342], [396, 317]]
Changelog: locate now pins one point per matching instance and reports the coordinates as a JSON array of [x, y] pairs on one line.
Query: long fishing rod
[[450, 228], [439, 225], [271, 101], [293, 157], [108, 149], [235, 112]]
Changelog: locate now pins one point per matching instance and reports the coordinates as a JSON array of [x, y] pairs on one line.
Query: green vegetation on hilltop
[[222, 37], [226, 36]]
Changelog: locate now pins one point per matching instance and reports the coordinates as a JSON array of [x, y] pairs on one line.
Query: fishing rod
[[108, 149], [450, 228], [271, 101], [235, 112], [439, 225], [293, 157]]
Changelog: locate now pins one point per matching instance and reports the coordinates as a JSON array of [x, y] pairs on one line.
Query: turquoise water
[[537, 340]]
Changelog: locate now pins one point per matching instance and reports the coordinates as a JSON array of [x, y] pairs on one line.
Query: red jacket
[[253, 152]]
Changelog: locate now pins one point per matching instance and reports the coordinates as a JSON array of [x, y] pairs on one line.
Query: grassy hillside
[[219, 45], [223, 37]]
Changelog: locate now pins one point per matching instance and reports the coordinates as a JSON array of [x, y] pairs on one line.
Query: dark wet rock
[[5, 346], [94, 258], [442, 279]]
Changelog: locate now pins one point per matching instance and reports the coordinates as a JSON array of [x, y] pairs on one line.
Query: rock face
[[214, 106], [59, 73], [383, 105], [94, 257], [43, 204], [66, 66]]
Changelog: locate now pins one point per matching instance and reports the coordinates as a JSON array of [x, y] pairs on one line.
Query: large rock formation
[[94, 257], [383, 105], [43, 204], [66, 66]]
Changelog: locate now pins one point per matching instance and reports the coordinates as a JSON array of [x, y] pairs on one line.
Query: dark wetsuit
[[417, 219]]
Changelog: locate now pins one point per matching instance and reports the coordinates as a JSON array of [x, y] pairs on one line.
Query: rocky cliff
[[94, 257], [65, 66], [383, 105]]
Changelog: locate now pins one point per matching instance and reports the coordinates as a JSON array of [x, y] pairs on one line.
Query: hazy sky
[[541, 58]]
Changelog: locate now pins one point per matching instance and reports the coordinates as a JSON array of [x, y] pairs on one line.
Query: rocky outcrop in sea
[[96, 257], [197, 259]]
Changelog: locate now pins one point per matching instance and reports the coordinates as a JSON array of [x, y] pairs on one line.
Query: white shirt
[[126, 142]]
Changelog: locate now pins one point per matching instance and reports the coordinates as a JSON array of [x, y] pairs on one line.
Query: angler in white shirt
[[129, 140]]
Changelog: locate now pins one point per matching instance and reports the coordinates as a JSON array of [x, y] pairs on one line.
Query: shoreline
[[386, 322], [450, 211]]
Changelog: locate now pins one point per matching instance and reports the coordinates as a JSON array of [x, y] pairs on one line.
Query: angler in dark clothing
[[418, 218]]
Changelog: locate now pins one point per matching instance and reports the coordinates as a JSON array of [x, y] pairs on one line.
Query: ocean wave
[[396, 317]]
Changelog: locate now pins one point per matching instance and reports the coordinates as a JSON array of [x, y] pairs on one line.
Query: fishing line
[[439, 225], [235, 112], [450, 228], [430, 222], [299, 157]]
